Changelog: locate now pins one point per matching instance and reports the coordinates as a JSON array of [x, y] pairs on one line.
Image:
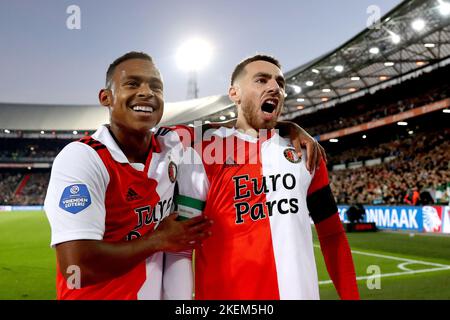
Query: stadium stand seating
[[417, 156], [394, 160], [427, 88]]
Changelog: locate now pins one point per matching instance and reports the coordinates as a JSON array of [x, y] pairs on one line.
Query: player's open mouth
[[269, 106]]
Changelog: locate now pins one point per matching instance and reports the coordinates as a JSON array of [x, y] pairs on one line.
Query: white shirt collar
[[226, 132], [104, 136]]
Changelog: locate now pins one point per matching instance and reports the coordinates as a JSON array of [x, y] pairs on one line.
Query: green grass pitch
[[412, 267]]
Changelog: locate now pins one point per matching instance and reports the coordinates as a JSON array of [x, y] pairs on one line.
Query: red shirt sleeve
[[333, 241], [338, 257]]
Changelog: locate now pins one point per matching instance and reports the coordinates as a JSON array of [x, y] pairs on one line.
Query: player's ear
[[105, 97], [234, 93]]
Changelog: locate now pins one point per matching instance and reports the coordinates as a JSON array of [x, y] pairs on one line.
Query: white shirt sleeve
[[75, 200], [193, 184], [193, 187]]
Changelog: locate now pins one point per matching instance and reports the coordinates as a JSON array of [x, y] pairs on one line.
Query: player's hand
[[315, 152], [177, 235]]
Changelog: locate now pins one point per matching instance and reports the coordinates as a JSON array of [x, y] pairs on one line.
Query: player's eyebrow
[[141, 79], [279, 79], [263, 75]]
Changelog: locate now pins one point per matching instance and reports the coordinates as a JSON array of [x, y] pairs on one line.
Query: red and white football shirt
[[96, 194], [260, 196]]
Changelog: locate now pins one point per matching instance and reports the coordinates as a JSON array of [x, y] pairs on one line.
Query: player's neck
[[135, 145], [243, 126]]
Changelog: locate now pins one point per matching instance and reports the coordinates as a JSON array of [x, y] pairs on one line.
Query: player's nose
[[145, 91], [273, 86]]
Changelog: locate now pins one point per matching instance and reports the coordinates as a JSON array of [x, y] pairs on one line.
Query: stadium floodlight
[[334, 140], [446, 111], [410, 132], [374, 50], [429, 45], [326, 90], [339, 68], [222, 118], [309, 83], [75, 132], [418, 24], [395, 38], [352, 89], [364, 136], [300, 107], [402, 123], [315, 71], [382, 78], [207, 121], [297, 89], [7, 131], [355, 78], [324, 99], [389, 64], [232, 114], [42, 131], [194, 54], [300, 100], [444, 8]]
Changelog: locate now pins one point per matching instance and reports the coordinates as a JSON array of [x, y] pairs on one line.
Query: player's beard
[[252, 115]]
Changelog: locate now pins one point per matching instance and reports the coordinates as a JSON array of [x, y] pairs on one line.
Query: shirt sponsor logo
[[149, 216], [251, 188], [75, 198]]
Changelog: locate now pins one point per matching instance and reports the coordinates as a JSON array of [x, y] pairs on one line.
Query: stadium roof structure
[[48, 117], [412, 38]]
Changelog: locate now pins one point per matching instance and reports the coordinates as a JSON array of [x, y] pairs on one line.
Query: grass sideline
[[27, 263]]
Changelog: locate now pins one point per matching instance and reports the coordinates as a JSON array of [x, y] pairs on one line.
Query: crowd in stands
[[419, 174], [427, 89], [17, 150], [380, 111], [418, 171], [32, 193], [9, 181], [421, 167]]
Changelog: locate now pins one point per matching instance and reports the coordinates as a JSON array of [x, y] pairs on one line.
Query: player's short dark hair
[[257, 57], [127, 56]]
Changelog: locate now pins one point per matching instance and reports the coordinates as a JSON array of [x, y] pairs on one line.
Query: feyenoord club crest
[[291, 155], [172, 170]]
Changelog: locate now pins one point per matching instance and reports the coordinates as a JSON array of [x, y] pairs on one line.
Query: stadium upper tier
[[410, 40], [382, 106], [37, 117]]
